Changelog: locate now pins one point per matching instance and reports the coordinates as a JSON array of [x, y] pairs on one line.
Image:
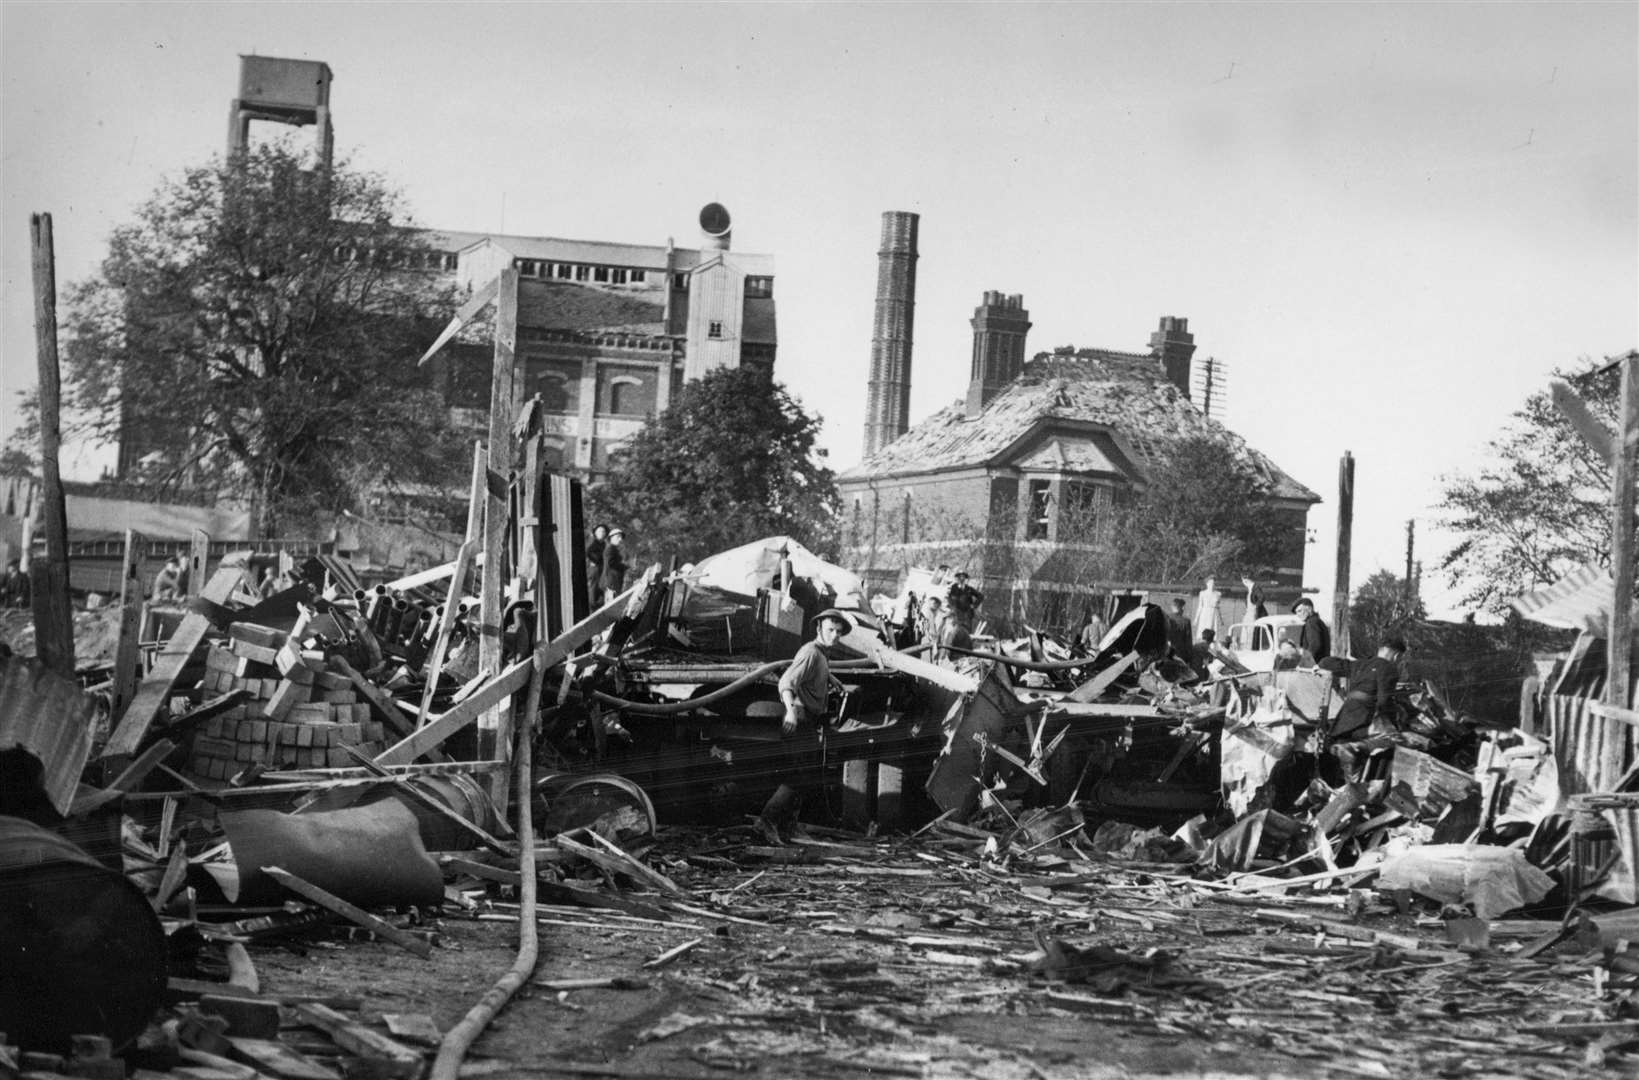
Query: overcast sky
[[1389, 222]]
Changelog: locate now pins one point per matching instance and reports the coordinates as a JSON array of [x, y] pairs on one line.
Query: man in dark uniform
[[594, 562], [614, 565], [1371, 688], [1316, 637], [964, 600]]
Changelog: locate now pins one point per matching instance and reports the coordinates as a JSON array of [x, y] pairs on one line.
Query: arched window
[[626, 395]]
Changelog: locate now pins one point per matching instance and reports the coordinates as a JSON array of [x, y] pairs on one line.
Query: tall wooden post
[[1345, 528], [494, 725], [128, 653], [1623, 477], [199, 557], [53, 612], [1411, 547]]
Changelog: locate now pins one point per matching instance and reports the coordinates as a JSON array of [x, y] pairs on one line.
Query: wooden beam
[[497, 689], [466, 314], [352, 913], [128, 651], [1585, 423], [383, 1055], [1345, 541], [458, 581], [1624, 475], [199, 557], [48, 580], [155, 691], [495, 724]]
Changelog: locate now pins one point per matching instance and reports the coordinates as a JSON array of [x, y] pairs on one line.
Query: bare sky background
[[1389, 221]]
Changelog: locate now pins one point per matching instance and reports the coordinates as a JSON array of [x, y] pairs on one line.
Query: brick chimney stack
[[888, 394], [999, 326], [1174, 345]]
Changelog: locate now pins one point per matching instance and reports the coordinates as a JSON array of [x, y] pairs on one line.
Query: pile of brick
[[299, 715]]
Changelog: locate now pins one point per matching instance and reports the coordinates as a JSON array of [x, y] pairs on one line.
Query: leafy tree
[[254, 332], [731, 459], [1382, 607], [1204, 512], [1540, 507]]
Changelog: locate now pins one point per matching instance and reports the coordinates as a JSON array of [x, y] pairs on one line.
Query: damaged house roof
[[1127, 394]]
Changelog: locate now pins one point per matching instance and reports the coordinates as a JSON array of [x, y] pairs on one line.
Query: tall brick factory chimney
[[888, 395], [999, 326], [1174, 345]]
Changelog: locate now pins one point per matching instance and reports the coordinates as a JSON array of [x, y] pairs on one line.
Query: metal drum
[[81, 950]]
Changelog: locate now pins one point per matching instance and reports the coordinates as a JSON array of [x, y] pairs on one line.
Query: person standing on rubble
[[1316, 637], [614, 564], [1179, 634], [594, 560], [1091, 631], [14, 588], [933, 625], [963, 600], [1371, 690], [805, 690]]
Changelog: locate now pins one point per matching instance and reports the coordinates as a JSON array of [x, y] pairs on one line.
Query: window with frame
[[759, 288], [600, 273], [1039, 524], [1083, 514], [638, 277], [582, 272], [680, 282], [714, 330], [563, 271]]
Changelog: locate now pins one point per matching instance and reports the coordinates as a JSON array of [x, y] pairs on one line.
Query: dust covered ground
[[906, 958]]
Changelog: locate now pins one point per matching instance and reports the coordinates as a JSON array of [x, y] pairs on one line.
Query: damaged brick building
[[1017, 482]]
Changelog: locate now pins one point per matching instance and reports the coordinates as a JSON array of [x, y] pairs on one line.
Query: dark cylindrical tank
[[81, 951]]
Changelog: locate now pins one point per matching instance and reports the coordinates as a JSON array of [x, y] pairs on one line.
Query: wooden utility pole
[[494, 725], [1345, 527], [53, 612], [1411, 547], [1619, 452], [1623, 477]]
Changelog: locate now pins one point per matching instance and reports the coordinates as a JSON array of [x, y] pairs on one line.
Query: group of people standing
[[605, 563]]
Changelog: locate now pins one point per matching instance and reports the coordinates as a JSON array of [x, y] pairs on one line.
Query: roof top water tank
[[291, 84]]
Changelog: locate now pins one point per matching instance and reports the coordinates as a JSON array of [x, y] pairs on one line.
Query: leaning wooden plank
[[426, 800], [876, 649], [502, 686], [272, 1056], [446, 626], [1094, 688], [348, 911], [129, 778], [428, 576], [618, 861], [155, 690], [127, 653], [386, 1056]]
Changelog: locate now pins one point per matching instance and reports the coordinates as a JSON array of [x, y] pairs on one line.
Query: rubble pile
[[1176, 844]]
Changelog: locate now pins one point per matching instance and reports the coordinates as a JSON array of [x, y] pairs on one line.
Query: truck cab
[[1254, 643]]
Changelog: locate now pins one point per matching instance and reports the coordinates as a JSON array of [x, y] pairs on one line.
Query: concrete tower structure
[[888, 400], [999, 327]]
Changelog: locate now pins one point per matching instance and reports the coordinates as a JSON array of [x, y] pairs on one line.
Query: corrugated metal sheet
[[49, 717], [1623, 883], [1581, 600]]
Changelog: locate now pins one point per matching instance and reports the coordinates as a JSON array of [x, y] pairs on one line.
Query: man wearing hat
[[804, 688], [807, 682], [964, 600], [1315, 637], [614, 564]]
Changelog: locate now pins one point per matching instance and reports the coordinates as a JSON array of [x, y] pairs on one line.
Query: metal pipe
[[454, 1047]]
